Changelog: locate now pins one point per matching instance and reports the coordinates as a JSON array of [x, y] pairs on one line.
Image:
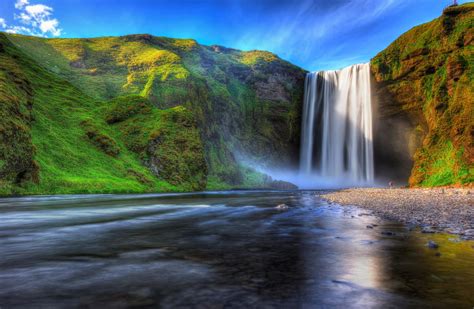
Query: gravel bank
[[440, 209]]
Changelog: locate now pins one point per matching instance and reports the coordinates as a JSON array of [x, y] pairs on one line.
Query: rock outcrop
[[424, 84]]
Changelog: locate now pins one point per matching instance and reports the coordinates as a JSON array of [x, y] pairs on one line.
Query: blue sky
[[314, 34]]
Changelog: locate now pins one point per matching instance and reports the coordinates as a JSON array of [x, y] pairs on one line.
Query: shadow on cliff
[[394, 142]]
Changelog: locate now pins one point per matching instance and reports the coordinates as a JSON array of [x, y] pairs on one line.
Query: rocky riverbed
[[449, 210]]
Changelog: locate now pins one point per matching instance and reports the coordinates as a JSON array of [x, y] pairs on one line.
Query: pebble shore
[[449, 210]]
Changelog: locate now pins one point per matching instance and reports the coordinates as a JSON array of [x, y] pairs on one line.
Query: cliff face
[[424, 84], [141, 113]]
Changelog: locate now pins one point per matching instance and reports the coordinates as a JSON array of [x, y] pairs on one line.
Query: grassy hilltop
[[141, 114]]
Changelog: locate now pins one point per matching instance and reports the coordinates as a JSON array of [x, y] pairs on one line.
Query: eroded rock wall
[[424, 86]]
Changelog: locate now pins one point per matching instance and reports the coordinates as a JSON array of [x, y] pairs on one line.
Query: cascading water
[[336, 139]]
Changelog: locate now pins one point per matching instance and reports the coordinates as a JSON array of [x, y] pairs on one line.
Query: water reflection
[[231, 249]]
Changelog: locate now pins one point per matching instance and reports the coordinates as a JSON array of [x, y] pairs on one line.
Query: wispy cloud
[[19, 4], [33, 19], [308, 27]]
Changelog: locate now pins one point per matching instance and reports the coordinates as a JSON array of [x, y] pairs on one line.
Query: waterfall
[[336, 139]]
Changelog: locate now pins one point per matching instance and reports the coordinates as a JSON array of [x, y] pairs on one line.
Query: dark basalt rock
[[432, 245], [79, 64]]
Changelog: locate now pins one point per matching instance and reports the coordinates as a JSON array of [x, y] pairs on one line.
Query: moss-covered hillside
[[425, 86], [141, 114]]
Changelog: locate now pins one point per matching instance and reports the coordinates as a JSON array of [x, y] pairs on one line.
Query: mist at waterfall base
[[336, 132]]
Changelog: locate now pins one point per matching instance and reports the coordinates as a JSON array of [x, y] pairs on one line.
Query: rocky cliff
[[141, 113], [424, 84]]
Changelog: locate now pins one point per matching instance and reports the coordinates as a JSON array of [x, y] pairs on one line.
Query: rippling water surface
[[214, 250]]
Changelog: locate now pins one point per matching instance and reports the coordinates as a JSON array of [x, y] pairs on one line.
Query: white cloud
[[24, 18], [50, 26], [19, 29], [21, 3], [35, 19], [38, 10]]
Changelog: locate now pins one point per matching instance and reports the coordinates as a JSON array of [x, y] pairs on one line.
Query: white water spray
[[336, 143]]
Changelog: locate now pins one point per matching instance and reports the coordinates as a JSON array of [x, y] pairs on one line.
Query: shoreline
[[444, 210]]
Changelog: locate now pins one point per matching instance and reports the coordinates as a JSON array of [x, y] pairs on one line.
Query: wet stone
[[428, 230], [432, 245], [469, 232], [282, 207], [437, 210]]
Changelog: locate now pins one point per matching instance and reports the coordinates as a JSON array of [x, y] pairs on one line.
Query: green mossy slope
[[427, 76], [57, 139], [17, 151], [141, 113], [167, 141]]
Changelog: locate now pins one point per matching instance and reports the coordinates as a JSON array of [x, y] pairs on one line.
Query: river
[[221, 249]]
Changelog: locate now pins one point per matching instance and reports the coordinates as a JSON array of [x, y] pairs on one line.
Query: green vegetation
[[75, 150], [140, 114], [17, 151], [429, 72], [99, 139], [257, 56], [442, 167], [167, 141]]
